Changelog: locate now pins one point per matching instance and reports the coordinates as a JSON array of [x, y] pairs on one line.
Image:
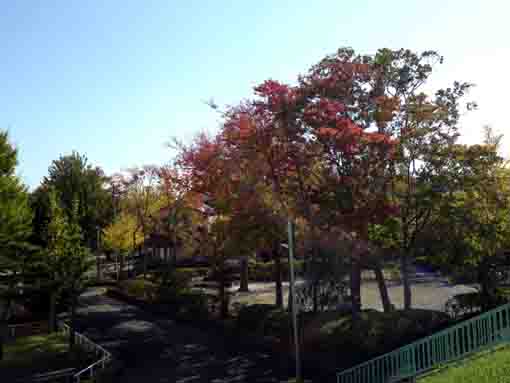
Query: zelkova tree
[[262, 157], [425, 128], [179, 213], [308, 148], [212, 167], [409, 133]]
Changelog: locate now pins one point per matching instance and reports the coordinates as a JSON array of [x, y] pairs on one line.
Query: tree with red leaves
[[325, 153], [331, 149]]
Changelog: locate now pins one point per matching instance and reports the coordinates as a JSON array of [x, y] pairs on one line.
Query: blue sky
[[117, 79]]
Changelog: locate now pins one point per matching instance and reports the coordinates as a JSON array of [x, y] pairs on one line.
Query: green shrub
[[194, 272], [251, 318], [464, 276], [264, 320], [175, 278], [464, 304], [265, 271], [139, 288], [277, 323], [174, 291], [394, 272], [192, 306], [261, 272], [334, 340]]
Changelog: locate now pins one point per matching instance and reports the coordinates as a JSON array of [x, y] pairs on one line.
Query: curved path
[[155, 349]]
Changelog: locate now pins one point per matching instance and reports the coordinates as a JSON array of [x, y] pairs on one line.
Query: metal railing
[[65, 375], [473, 335], [105, 357]]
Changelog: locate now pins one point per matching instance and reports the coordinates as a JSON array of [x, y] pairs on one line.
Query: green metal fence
[[485, 330]]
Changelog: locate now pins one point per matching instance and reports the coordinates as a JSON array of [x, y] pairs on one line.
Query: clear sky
[[117, 79]]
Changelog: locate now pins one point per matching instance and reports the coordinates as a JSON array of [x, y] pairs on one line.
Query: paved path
[[158, 350], [430, 292]]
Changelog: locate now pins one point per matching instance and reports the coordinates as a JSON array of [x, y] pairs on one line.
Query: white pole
[[293, 298]]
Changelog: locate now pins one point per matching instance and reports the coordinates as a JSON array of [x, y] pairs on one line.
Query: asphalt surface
[[155, 349]]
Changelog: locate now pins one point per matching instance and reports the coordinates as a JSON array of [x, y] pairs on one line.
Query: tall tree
[[143, 201], [65, 260], [385, 96], [426, 128], [15, 229], [73, 178], [178, 214], [475, 214]]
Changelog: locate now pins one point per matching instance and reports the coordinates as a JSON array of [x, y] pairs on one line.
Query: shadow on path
[[155, 349]]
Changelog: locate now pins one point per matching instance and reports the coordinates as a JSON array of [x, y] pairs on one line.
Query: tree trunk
[[145, 264], [244, 275], [98, 265], [222, 291], [485, 284], [52, 320], [315, 279], [4, 329], [404, 269], [355, 289], [3, 338], [122, 257], [383, 289], [278, 276], [72, 334], [168, 258]]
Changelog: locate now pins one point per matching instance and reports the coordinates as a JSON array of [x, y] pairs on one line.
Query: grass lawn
[[38, 354], [489, 366]]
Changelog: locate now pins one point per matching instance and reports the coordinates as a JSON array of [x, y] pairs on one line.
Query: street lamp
[[290, 246]]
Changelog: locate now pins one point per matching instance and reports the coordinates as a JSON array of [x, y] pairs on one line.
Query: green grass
[[25, 350], [39, 354], [489, 366]]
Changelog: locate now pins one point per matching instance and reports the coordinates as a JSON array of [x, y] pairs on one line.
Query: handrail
[[51, 376], [472, 335], [82, 339], [101, 362]]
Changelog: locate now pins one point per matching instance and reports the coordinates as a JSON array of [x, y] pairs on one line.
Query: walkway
[[155, 349]]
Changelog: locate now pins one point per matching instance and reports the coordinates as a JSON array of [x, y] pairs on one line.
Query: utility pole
[[98, 253], [293, 298]]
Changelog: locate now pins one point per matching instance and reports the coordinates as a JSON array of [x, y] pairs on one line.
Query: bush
[[194, 272], [262, 320], [463, 304], [139, 288], [330, 293], [174, 291], [467, 304], [464, 276], [261, 272], [192, 306], [265, 271], [333, 340], [175, 278], [251, 318]]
